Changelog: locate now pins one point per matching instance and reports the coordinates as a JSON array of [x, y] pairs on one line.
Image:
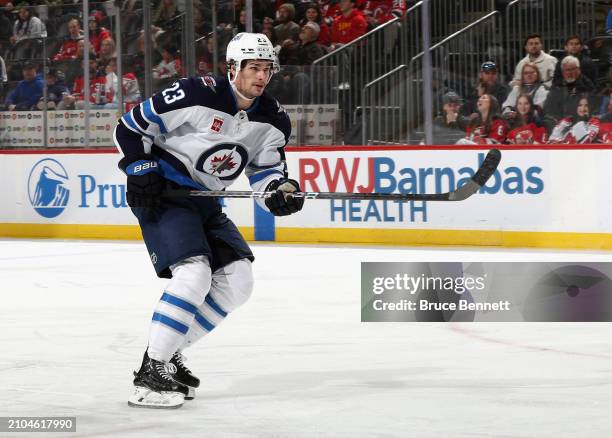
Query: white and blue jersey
[[200, 139]]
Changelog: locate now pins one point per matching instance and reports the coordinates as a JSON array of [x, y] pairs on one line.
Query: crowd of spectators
[[301, 31], [548, 100]]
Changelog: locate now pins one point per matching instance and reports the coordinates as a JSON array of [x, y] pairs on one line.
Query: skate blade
[[146, 398], [191, 394]]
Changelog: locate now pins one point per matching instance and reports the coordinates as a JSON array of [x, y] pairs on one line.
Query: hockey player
[[201, 133]]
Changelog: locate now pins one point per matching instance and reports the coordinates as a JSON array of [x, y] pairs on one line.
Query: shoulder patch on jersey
[[210, 82], [217, 123], [281, 109]]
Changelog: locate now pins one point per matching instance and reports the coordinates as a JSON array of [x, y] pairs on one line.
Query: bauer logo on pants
[[47, 189]]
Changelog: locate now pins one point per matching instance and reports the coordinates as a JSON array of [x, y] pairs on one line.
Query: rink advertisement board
[[65, 128], [539, 197], [310, 124], [491, 292], [75, 194]]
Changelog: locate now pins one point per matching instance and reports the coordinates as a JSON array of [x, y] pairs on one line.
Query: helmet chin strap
[[233, 84], [242, 96]]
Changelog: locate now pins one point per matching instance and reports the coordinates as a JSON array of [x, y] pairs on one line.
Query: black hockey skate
[[155, 387], [183, 375]]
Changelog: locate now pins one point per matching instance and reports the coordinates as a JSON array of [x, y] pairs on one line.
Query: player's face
[[253, 78]]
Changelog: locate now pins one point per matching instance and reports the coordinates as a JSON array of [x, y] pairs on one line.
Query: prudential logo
[[47, 188]]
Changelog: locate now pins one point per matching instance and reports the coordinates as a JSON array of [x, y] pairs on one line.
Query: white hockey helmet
[[246, 46]]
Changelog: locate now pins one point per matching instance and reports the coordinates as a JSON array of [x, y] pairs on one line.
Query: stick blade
[[486, 170]]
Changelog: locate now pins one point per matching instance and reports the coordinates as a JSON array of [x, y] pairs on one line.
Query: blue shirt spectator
[[28, 91], [609, 23]]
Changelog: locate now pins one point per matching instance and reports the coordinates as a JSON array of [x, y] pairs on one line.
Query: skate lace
[[179, 359], [165, 370]]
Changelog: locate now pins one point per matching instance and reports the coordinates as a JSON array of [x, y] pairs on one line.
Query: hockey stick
[[484, 172]]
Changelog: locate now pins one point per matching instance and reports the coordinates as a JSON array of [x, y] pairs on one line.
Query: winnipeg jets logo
[[224, 161], [220, 164]]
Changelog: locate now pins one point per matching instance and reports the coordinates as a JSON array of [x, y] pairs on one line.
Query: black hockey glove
[[282, 203], [144, 182]]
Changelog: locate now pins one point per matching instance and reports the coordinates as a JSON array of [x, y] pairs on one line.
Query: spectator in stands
[[130, 90], [563, 98], [349, 25], [165, 15], [489, 77], [68, 50], [450, 126], [378, 12], [198, 22], [75, 68], [525, 126], [268, 30], [205, 56], [605, 119], [603, 85], [545, 62], [76, 100], [313, 13], [56, 90], [26, 30], [131, 15], [107, 52], [579, 128], [97, 34], [329, 10], [170, 65], [609, 23], [3, 75], [286, 27], [531, 84], [575, 47], [6, 27], [304, 52], [487, 127], [28, 91], [296, 83]]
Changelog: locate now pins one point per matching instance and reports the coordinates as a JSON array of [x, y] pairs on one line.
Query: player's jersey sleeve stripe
[[172, 174], [167, 321], [142, 123], [204, 322], [178, 302], [269, 166], [130, 142], [147, 109], [129, 121], [213, 305], [262, 175]]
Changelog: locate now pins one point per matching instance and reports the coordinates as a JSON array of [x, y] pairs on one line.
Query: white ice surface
[[295, 361]]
